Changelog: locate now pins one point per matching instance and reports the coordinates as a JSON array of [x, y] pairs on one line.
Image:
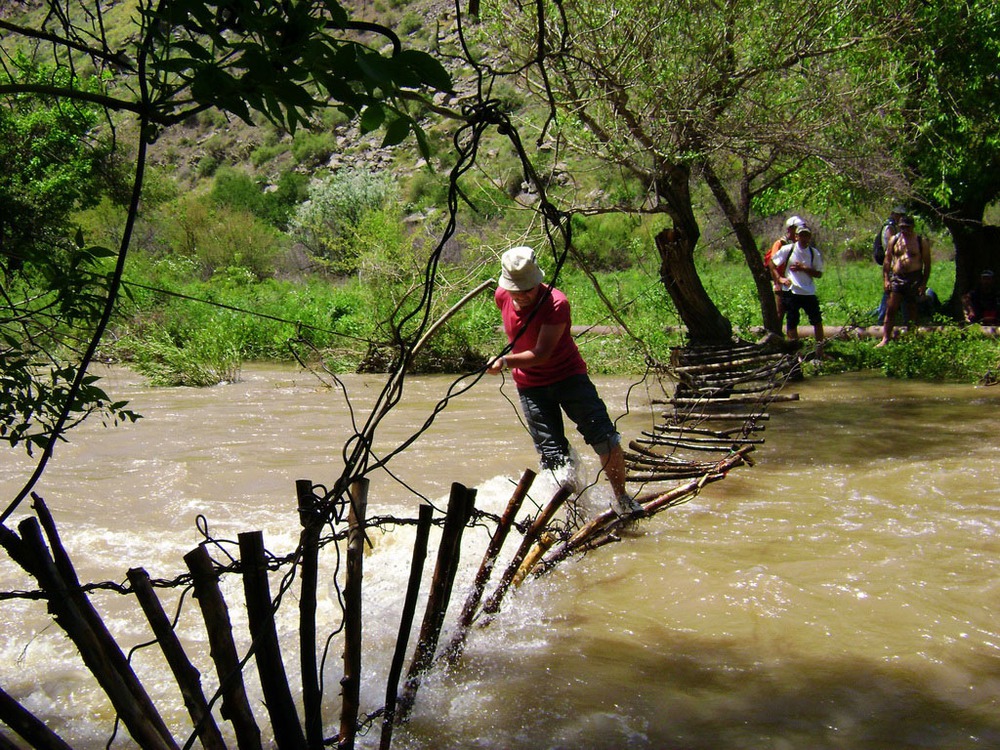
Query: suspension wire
[[243, 311]]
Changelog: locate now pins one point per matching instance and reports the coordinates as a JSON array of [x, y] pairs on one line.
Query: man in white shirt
[[799, 264]]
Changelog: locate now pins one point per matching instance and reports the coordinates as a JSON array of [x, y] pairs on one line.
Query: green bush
[[238, 190], [208, 357], [207, 166], [425, 189], [409, 23], [950, 353], [327, 224], [266, 152], [312, 149], [219, 237]]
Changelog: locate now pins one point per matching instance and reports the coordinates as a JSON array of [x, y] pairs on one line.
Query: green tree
[[946, 135], [733, 94], [50, 163]]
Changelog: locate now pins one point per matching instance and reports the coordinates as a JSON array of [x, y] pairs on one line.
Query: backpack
[[775, 246], [878, 249]]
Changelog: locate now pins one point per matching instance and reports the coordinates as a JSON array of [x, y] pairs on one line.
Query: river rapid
[[841, 593]]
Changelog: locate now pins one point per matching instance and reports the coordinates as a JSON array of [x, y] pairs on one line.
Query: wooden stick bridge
[[709, 427]]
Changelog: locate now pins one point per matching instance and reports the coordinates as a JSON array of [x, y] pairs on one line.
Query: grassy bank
[[180, 330]]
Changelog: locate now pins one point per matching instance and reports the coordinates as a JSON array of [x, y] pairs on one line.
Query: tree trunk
[[705, 324], [738, 216], [977, 248]]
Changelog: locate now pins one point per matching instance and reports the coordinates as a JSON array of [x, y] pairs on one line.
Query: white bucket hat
[[518, 270]]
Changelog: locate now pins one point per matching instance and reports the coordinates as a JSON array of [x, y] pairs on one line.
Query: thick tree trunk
[[977, 248], [761, 279], [705, 324]]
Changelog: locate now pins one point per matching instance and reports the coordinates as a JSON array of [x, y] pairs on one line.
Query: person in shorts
[[551, 375], [803, 264], [780, 295], [905, 273]]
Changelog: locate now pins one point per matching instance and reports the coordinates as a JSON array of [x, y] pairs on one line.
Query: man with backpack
[[780, 294], [799, 265], [905, 272]]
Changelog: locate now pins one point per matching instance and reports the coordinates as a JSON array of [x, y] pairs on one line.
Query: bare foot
[[881, 343]]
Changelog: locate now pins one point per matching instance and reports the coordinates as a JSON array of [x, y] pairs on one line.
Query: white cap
[[793, 221]]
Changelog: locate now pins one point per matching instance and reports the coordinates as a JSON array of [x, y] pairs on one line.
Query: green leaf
[[372, 118], [96, 251], [377, 68], [430, 70], [422, 144], [396, 131]]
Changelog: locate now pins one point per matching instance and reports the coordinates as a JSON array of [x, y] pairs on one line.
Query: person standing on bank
[[905, 273], [802, 265], [885, 233], [981, 304], [551, 375], [779, 293]]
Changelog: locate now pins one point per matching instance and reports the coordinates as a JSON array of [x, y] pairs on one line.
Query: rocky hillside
[[192, 152]]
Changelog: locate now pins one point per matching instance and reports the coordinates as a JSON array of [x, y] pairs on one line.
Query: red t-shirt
[[553, 309]]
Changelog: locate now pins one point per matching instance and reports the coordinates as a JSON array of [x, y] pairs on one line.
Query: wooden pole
[[693, 416], [424, 519], [546, 540], [235, 706], [467, 507], [736, 400], [492, 604], [266, 649], [725, 441], [489, 283], [98, 648], [28, 726], [688, 430], [187, 675], [312, 525], [351, 682], [459, 510], [454, 651], [726, 365]]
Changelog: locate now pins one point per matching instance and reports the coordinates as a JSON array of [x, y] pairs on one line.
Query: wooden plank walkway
[[719, 407]]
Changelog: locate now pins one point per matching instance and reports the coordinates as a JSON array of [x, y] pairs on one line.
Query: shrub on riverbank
[[180, 329], [948, 353]]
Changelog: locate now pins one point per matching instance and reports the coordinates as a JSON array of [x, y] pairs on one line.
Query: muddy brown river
[[842, 593]]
